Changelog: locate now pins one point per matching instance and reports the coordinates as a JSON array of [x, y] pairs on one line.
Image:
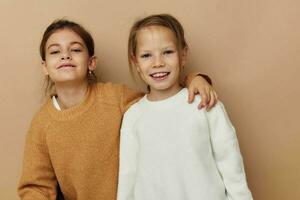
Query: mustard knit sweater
[[77, 148]]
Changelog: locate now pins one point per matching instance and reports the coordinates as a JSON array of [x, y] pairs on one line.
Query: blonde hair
[[164, 20]]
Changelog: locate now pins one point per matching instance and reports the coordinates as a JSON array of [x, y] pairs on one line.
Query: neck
[[157, 95], [69, 95]]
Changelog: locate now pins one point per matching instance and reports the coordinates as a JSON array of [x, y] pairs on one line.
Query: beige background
[[251, 49]]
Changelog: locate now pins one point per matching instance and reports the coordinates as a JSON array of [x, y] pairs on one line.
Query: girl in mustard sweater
[[73, 140]]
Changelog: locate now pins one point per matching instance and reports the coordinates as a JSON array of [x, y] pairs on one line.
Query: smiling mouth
[[160, 75]]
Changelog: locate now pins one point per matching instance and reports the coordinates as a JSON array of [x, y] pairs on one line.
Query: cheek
[[173, 59], [142, 71], [51, 59], [49, 64], [141, 66]]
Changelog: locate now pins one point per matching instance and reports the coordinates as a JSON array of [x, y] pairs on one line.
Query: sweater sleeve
[[189, 77], [38, 180], [227, 154], [128, 160], [129, 97]]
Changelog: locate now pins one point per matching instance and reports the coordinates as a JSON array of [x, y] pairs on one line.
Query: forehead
[[154, 33], [63, 37]]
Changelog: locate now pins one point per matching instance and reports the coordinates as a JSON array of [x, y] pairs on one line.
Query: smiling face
[[158, 62], [67, 58]]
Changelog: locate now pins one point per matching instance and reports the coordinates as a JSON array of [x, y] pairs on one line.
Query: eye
[[169, 52], [146, 55], [76, 50], [54, 52]]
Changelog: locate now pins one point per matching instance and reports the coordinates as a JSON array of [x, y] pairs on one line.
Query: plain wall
[[251, 50]]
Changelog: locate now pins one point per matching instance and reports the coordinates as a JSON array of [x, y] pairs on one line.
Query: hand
[[208, 95]]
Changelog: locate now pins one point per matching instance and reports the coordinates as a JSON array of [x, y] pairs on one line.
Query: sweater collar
[[75, 110]]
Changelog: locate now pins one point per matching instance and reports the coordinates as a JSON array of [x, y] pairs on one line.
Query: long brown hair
[[87, 38]]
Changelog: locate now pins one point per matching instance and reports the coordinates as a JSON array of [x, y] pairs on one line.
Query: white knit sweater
[[170, 150]]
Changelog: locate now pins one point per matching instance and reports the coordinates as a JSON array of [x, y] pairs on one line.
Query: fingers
[[205, 97], [209, 97], [213, 100], [191, 95], [203, 102]]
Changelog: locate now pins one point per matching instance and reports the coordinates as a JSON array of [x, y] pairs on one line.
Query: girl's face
[[157, 60], [67, 59]]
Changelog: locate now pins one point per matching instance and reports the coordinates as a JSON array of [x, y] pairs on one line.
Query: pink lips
[[66, 65]]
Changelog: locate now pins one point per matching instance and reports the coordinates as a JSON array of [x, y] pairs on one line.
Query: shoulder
[[40, 121], [218, 116], [116, 90], [184, 99], [217, 109], [42, 114], [109, 93], [134, 112], [108, 88], [216, 112], [135, 109]]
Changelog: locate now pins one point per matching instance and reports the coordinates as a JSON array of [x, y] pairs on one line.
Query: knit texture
[[170, 150], [77, 148]]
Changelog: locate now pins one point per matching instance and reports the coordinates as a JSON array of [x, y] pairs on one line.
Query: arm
[[128, 161], [196, 83], [38, 180], [227, 154], [202, 84]]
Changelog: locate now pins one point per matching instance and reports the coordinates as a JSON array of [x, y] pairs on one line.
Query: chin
[[66, 80], [161, 88]]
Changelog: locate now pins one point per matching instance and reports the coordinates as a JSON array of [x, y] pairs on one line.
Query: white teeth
[[159, 74]]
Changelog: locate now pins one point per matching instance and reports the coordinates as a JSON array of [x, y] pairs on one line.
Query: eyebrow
[[72, 43], [164, 48]]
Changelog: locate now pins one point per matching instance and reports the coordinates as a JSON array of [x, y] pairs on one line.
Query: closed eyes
[[169, 52], [146, 55]]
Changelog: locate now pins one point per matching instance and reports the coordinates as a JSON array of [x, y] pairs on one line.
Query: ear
[[45, 70], [92, 63], [184, 53]]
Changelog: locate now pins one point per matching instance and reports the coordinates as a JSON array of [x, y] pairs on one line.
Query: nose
[[66, 55], [158, 61]]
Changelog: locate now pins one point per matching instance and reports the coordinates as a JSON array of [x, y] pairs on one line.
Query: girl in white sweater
[[170, 150]]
